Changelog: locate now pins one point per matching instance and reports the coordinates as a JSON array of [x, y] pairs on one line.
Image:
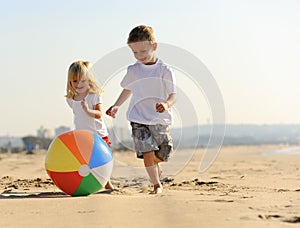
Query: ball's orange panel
[[80, 143]]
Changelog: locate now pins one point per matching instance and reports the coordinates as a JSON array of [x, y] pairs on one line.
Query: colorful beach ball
[[79, 162]]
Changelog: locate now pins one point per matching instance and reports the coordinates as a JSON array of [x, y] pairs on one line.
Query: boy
[[151, 85]]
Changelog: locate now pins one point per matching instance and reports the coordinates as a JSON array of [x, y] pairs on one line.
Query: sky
[[250, 47]]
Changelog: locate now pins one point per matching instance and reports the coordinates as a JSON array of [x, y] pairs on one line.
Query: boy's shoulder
[[163, 64], [134, 65]]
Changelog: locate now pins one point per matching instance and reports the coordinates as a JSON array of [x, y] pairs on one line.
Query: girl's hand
[[84, 106], [161, 107], [112, 111]]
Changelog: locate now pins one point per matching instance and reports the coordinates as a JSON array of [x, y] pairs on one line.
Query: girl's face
[[144, 51], [81, 86]]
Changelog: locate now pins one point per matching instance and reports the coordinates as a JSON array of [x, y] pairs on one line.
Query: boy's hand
[[112, 111], [161, 107]]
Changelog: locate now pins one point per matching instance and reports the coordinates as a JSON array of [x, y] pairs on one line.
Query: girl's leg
[[153, 172], [109, 185]]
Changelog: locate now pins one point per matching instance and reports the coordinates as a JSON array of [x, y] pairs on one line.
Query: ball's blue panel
[[101, 153]]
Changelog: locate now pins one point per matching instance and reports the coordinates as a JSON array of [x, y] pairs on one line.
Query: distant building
[[61, 129], [11, 144], [43, 132]]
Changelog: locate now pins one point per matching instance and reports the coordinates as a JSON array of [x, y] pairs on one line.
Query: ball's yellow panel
[[60, 158]]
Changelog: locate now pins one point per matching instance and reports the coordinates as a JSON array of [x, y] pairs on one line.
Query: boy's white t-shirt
[[82, 120], [149, 84]]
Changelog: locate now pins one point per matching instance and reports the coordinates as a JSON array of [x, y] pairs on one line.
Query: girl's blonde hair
[[81, 70], [141, 33]]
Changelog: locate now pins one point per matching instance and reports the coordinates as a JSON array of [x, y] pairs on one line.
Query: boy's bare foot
[[157, 189], [109, 185]]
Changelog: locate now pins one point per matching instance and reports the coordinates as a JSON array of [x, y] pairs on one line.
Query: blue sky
[[252, 48]]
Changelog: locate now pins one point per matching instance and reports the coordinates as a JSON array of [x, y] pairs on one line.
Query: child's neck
[[80, 96], [154, 60]]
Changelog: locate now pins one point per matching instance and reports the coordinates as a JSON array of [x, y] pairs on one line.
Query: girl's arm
[[95, 113], [112, 111]]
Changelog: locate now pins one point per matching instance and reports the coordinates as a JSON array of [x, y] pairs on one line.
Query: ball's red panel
[[68, 182]]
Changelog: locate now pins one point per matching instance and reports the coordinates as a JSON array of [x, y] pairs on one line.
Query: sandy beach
[[244, 187]]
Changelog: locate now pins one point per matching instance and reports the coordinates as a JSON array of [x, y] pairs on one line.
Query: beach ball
[[79, 162]]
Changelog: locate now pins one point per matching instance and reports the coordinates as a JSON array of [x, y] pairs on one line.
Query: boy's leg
[[157, 160], [153, 172], [159, 170], [163, 140]]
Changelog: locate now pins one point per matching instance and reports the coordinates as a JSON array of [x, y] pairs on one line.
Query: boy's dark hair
[[141, 33]]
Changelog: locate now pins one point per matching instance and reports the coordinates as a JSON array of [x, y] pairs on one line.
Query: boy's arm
[[122, 98], [171, 100], [163, 106]]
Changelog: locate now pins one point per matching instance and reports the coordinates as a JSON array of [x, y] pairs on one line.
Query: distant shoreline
[[295, 150]]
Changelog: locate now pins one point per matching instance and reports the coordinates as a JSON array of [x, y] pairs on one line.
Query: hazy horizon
[[251, 48], [204, 129]]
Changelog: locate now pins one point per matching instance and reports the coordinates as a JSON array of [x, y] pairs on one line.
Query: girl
[[84, 97]]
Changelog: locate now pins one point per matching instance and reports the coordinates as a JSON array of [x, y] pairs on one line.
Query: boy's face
[[144, 51]]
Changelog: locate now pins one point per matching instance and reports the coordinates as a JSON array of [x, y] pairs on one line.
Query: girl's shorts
[[155, 138], [106, 139]]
